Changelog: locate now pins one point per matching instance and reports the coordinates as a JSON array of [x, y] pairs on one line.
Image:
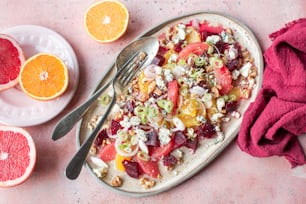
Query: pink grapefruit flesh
[[17, 156], [11, 59]]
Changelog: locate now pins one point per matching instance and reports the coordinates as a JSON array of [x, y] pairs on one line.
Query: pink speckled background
[[234, 177]]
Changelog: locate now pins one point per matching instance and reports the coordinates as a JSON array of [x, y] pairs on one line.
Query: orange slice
[[44, 77], [17, 156], [106, 21]]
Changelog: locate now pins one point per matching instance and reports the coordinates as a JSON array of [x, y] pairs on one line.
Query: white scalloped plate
[[208, 150], [18, 109]]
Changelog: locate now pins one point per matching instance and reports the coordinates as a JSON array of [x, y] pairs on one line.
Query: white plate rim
[[17, 117]]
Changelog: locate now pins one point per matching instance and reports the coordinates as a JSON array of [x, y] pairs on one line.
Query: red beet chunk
[[179, 139], [158, 60], [178, 47], [115, 126], [192, 144], [232, 64], [162, 50], [170, 161], [132, 168], [206, 130], [205, 34], [231, 106], [100, 137], [152, 139]]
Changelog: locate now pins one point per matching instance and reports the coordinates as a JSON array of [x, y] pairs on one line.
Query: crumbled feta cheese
[[220, 137], [179, 125], [178, 71], [152, 100], [215, 117], [188, 81], [226, 119], [232, 53], [245, 69], [116, 108], [181, 33], [207, 99], [160, 83], [135, 120], [164, 136], [141, 134], [172, 58], [200, 118], [251, 83], [213, 39], [168, 75], [236, 114], [158, 70], [235, 74], [125, 122], [198, 90], [220, 103], [226, 37]]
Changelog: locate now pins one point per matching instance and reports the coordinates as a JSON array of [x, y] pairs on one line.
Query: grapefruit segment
[[17, 156], [11, 60]]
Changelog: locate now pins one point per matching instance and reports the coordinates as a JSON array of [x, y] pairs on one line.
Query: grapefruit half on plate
[[11, 59], [17, 156]]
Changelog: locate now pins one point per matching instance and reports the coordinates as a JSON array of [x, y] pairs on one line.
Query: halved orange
[[106, 21], [44, 77]]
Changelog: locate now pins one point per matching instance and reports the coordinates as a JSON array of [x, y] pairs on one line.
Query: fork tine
[[137, 61], [132, 62], [132, 72], [130, 59]]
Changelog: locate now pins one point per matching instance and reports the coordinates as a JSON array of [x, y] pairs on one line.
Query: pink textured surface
[[234, 177]]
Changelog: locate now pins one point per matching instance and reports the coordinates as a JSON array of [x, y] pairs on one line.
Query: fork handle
[[69, 120], [75, 165]]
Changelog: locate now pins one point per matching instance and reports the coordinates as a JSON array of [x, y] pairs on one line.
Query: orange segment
[[119, 159], [44, 77], [106, 21]]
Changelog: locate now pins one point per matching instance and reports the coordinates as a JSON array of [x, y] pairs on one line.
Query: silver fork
[[119, 83], [67, 122]]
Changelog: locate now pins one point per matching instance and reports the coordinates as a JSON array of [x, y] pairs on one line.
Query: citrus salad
[[178, 103]]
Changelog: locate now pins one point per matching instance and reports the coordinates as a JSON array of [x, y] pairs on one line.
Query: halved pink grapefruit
[[17, 156], [11, 59]]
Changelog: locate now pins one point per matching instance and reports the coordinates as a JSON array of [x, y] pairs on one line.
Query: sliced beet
[[192, 144], [206, 130], [152, 138], [115, 126], [231, 106], [170, 160], [179, 139], [100, 137], [158, 60], [132, 168]]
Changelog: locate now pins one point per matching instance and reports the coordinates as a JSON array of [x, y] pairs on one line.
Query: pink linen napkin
[[271, 124]]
